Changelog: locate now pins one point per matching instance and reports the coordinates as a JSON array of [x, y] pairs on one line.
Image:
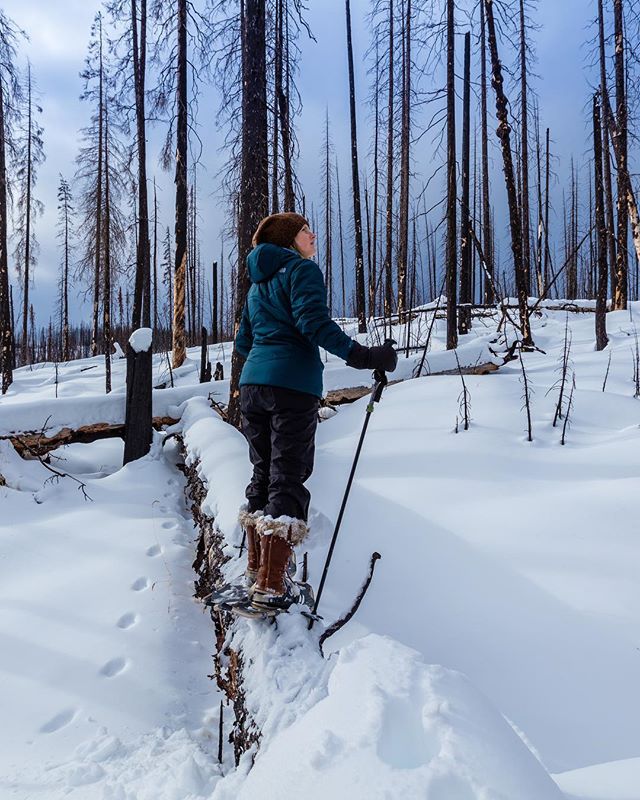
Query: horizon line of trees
[[383, 245]]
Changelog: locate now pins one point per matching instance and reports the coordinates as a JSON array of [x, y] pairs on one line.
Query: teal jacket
[[284, 322]]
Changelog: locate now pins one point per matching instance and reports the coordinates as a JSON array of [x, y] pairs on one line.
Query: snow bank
[[375, 721], [391, 726]]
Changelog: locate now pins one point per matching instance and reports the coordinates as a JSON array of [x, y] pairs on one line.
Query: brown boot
[[274, 588], [248, 522]]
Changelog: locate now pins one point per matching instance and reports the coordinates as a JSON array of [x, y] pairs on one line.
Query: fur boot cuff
[[248, 518], [290, 529]]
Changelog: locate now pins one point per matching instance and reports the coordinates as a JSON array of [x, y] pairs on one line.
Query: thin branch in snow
[[569, 408], [340, 623], [606, 374]]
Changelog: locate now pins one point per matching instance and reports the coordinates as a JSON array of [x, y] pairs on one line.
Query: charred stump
[[137, 419]]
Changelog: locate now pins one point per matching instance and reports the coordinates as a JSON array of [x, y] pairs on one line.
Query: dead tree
[[10, 100], [451, 213], [405, 142], [524, 152], [65, 212], [180, 263], [355, 183], [504, 135], [464, 316], [253, 192], [486, 202], [327, 180], [601, 229], [29, 156], [621, 285], [606, 162], [388, 253]]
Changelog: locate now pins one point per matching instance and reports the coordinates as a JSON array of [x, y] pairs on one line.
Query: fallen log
[[337, 397], [30, 444]]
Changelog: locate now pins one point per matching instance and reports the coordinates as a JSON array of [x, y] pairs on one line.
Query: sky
[[59, 34]]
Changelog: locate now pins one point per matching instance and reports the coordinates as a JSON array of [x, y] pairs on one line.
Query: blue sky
[[58, 38]]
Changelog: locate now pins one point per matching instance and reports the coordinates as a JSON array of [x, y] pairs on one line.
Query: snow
[[141, 339], [495, 655], [393, 726]]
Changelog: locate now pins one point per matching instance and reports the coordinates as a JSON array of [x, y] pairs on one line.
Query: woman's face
[[305, 242]]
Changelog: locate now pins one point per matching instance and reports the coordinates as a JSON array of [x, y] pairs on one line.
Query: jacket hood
[[266, 259]]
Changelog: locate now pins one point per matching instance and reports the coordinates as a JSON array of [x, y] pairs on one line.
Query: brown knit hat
[[280, 229]]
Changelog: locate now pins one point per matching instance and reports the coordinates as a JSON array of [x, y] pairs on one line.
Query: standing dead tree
[[355, 184], [601, 229], [620, 140], [464, 316], [504, 135], [29, 156], [451, 214], [253, 191], [10, 100], [65, 213]]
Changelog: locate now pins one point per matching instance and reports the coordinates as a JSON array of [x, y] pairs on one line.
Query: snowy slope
[[498, 642]]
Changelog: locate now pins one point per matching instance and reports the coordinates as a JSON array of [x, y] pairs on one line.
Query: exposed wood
[[85, 434]]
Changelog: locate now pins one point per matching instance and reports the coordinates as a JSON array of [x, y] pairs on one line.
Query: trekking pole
[[380, 381]]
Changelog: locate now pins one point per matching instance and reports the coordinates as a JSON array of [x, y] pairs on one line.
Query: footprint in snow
[[172, 482], [169, 525], [140, 584], [113, 667], [154, 550], [127, 621], [61, 719]]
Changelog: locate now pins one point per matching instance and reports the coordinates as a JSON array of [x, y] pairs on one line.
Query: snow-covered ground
[[495, 656]]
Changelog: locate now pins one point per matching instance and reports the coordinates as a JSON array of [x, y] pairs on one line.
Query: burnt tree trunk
[[451, 254], [621, 285], [484, 126], [606, 162], [524, 154], [388, 255], [106, 283], [253, 195], [179, 338], [405, 140], [26, 269], [601, 229], [504, 135], [355, 180], [464, 318], [99, 198], [138, 404], [6, 327]]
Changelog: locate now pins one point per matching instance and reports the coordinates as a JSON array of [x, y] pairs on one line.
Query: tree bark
[[6, 327], [524, 154], [601, 229], [253, 195], [405, 140], [388, 295], [486, 202], [464, 318], [179, 338], [621, 286], [99, 198], [355, 180], [504, 135], [451, 254], [26, 277], [606, 163]]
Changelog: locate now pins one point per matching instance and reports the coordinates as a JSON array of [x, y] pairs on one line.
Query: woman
[[285, 321]]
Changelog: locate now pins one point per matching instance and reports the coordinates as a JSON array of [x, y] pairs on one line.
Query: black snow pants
[[280, 426]]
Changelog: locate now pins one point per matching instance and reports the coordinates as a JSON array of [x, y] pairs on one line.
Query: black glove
[[382, 357]]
